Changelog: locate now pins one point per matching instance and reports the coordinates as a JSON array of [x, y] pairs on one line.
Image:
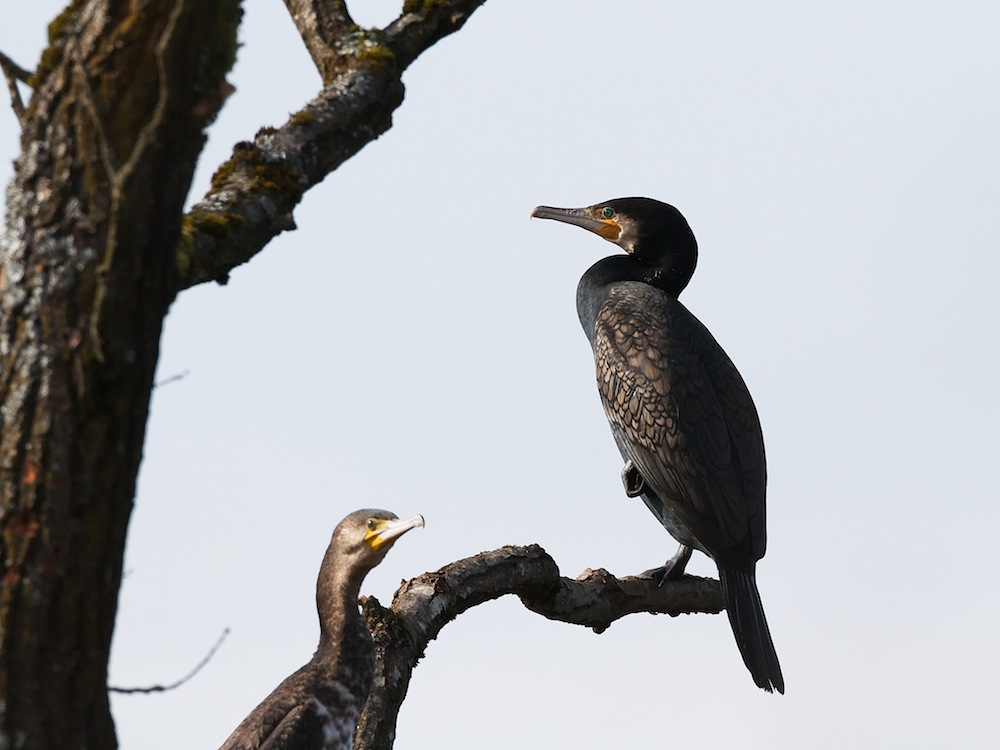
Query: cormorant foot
[[674, 568], [635, 485], [655, 573]]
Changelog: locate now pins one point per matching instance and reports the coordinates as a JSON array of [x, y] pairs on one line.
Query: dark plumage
[[317, 707], [680, 413]]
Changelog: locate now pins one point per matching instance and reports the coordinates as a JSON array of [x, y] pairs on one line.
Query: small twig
[[171, 379], [11, 68], [14, 73], [181, 681]]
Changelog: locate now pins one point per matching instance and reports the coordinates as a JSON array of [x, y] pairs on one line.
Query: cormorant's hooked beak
[[581, 217], [386, 532]]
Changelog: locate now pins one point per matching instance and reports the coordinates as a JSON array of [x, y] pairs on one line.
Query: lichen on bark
[[87, 272]]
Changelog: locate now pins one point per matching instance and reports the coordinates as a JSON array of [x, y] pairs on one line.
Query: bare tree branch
[[172, 379], [14, 73], [423, 23], [423, 606], [321, 23], [254, 193], [174, 685]]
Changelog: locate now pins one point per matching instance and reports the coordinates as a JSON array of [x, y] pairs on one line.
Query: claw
[[674, 568]]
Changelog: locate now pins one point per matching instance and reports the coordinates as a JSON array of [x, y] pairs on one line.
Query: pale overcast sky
[[414, 346]]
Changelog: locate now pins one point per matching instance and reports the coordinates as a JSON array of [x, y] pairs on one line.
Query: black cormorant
[[681, 414], [317, 707]]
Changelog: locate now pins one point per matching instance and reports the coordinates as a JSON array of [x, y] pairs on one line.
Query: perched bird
[[317, 707], [681, 414]]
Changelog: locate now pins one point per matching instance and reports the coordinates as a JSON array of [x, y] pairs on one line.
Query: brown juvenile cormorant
[[317, 707], [681, 414]]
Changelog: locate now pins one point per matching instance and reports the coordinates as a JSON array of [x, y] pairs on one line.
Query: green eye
[[371, 524], [608, 212]]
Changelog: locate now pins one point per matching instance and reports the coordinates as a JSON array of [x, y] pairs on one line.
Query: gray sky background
[[414, 346]]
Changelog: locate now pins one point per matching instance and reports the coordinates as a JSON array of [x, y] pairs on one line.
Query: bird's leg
[[635, 485], [674, 568]]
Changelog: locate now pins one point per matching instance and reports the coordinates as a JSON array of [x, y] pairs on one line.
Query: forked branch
[[254, 193], [13, 73], [423, 606]]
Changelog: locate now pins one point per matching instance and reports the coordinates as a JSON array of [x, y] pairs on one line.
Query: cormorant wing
[[290, 718], [680, 411]]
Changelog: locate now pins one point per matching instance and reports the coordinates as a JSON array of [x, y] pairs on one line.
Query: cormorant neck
[[668, 273], [337, 592], [670, 267]]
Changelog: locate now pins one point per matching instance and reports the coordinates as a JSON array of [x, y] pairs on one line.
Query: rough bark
[[253, 194], [424, 605], [88, 271]]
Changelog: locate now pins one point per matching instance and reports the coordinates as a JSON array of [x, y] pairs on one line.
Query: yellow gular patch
[[372, 535], [610, 230]]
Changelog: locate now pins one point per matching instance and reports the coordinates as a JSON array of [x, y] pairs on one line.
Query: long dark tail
[[746, 615]]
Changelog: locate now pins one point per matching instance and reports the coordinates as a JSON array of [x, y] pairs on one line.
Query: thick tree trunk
[[111, 138]]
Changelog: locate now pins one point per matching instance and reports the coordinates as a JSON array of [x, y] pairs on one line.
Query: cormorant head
[[649, 230], [358, 544], [364, 537]]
